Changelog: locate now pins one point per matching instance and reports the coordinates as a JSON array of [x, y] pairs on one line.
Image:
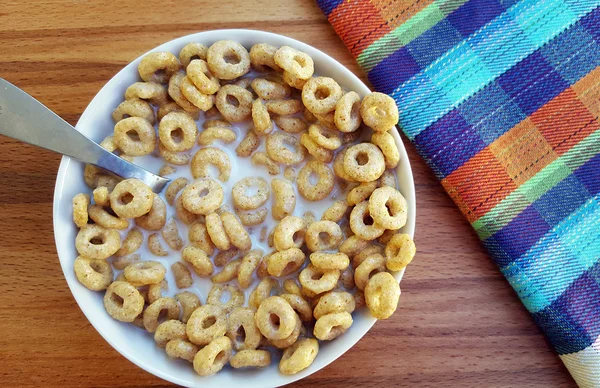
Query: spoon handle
[[24, 118]]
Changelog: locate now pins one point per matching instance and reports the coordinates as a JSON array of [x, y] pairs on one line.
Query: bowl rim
[[213, 35]]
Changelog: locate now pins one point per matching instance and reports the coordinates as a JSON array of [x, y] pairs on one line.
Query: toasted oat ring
[[294, 62], [131, 243], [174, 188], [334, 302], [370, 266], [250, 358], [197, 203], [324, 137], [352, 245], [145, 272], [399, 252], [229, 272], [236, 297], [155, 246], [263, 289], [189, 302], [321, 154], [324, 185], [171, 235], [123, 301], [289, 233], [81, 202], [203, 79], [332, 325], [206, 323], [386, 143], [300, 305], [361, 192], [326, 261], [262, 159], [379, 111], [176, 158], [151, 91], [362, 223], [181, 349], [238, 236], [192, 51], [290, 339], [299, 356], [270, 90], [270, 310], [211, 156], [317, 280], [321, 94], [243, 201], [364, 162], [192, 94], [176, 93], [182, 275], [103, 218], [131, 198], [284, 107], [177, 132], [199, 260], [284, 199], [388, 208], [198, 236], [347, 113], [338, 165], [216, 231], [262, 56], [285, 262], [249, 264], [243, 318], [336, 211], [290, 124], [184, 215], [361, 256], [100, 195], [252, 217], [210, 134], [249, 144], [96, 242], [156, 218], [158, 67], [382, 293], [218, 56], [293, 81], [234, 103], [261, 118], [96, 275], [134, 108], [143, 130], [213, 357], [333, 238], [168, 331], [278, 148]]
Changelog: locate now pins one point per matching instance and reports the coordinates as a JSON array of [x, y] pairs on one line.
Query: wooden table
[[460, 323]]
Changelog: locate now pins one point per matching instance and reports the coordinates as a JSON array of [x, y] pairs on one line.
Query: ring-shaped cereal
[[290, 339], [175, 92], [238, 236], [261, 118], [379, 112], [364, 162], [299, 356], [200, 100], [174, 188], [321, 154], [216, 231], [131, 243], [95, 275], [399, 252], [100, 195], [324, 137], [123, 301], [331, 326], [158, 67], [295, 62], [285, 262], [199, 260], [338, 165], [300, 305], [206, 323], [134, 108], [155, 290], [145, 272], [95, 242], [151, 91], [290, 124], [386, 143], [388, 178], [103, 218], [248, 145], [166, 169], [347, 113], [250, 359], [324, 185], [131, 198], [168, 331], [336, 211], [236, 297], [176, 158], [156, 218], [293, 81], [201, 77], [81, 202], [370, 266], [228, 273], [224, 257], [334, 302], [275, 318], [184, 215], [181, 349], [198, 237], [144, 131], [213, 357], [317, 280], [177, 132], [388, 208], [162, 309], [234, 103], [211, 156], [249, 264], [284, 107], [270, 90], [320, 95], [240, 196], [192, 51], [228, 59], [361, 192], [262, 159], [252, 217], [326, 261], [362, 223], [359, 257], [155, 246], [203, 196], [262, 56], [352, 245], [284, 199], [213, 133], [289, 233], [263, 289], [279, 145], [291, 287], [242, 330], [171, 235], [382, 293], [323, 235], [189, 303]]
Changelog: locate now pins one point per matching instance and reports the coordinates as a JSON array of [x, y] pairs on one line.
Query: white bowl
[[132, 342]]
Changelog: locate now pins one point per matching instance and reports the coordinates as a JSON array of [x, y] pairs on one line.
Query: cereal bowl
[[138, 345]]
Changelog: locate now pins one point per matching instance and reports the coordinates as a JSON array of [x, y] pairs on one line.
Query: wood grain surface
[[459, 324]]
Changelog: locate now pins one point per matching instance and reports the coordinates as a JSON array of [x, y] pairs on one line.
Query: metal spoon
[[24, 118]]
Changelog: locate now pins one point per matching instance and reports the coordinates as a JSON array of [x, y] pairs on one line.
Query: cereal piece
[[399, 252], [213, 357], [388, 178], [166, 108], [155, 246], [240, 190], [216, 231], [321, 154], [171, 235], [347, 113], [291, 287], [174, 188], [279, 148], [121, 262], [101, 196], [178, 348], [198, 72], [347, 278], [362, 223], [175, 92], [323, 235], [262, 291], [182, 274], [260, 118], [123, 301], [294, 62], [317, 280], [166, 169], [224, 257], [144, 141], [301, 306], [189, 303], [334, 302], [251, 359], [192, 51], [338, 165], [364, 162], [299, 356], [379, 112], [262, 57], [331, 326], [370, 266], [176, 158], [284, 201], [134, 108], [158, 67], [192, 94], [290, 124], [388, 208], [324, 137], [155, 291], [177, 132], [238, 236], [321, 94], [145, 272], [185, 215], [168, 331], [371, 250], [234, 103], [326, 261], [103, 218], [289, 173], [309, 218], [352, 245], [293, 81], [199, 261], [162, 309], [229, 272], [336, 211], [252, 217], [211, 156], [352, 137], [289, 233], [156, 218], [261, 271], [215, 296], [361, 192], [96, 275], [96, 242], [81, 202], [262, 159], [249, 263], [386, 143], [151, 91], [249, 144], [209, 135], [206, 323], [194, 201], [270, 90], [319, 190], [275, 306], [285, 262], [290, 339], [284, 107], [382, 293], [242, 330], [131, 198], [228, 59], [198, 236]]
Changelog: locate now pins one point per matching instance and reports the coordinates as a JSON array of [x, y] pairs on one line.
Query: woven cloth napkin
[[502, 100]]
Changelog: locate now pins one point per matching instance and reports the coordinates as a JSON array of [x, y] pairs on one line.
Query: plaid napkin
[[502, 100]]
